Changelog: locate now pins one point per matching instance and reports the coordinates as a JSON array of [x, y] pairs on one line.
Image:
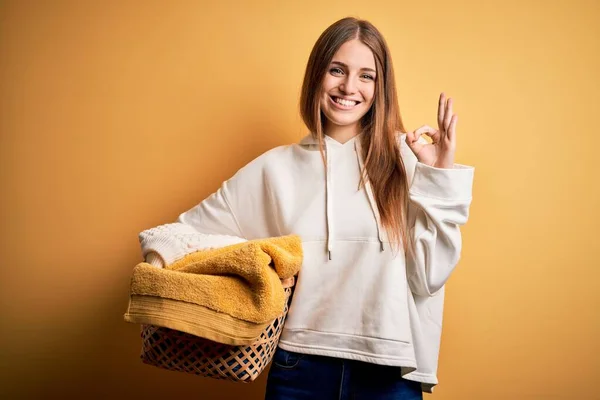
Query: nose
[[348, 86]]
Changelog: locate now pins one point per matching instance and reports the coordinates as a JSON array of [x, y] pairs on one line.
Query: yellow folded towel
[[228, 295]]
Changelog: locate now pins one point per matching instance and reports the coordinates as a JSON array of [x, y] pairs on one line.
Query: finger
[[441, 109], [412, 141], [452, 128], [448, 115], [434, 134]]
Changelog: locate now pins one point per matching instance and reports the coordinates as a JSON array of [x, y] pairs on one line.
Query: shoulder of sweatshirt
[[256, 175], [265, 160]]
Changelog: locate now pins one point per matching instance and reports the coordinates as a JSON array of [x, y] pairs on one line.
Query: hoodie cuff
[[454, 183], [153, 258]]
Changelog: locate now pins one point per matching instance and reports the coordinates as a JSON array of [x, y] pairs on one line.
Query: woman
[[378, 211]]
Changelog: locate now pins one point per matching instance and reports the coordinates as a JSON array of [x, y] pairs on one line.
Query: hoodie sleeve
[[439, 201], [219, 218]]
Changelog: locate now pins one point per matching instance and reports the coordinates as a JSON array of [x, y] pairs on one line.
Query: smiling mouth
[[344, 103]]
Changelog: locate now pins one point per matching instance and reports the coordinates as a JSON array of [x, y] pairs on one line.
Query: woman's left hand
[[439, 153]]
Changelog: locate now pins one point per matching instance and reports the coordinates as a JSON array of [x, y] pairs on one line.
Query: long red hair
[[383, 166]]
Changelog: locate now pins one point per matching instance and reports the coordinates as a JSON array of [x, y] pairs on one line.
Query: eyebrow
[[345, 66]]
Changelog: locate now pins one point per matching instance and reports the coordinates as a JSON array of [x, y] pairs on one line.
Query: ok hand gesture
[[439, 153]]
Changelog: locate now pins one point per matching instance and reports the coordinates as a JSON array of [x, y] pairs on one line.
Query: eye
[[336, 71], [367, 76]]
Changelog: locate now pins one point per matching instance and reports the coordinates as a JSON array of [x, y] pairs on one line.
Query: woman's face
[[349, 84]]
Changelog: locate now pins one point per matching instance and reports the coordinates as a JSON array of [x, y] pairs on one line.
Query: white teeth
[[347, 103]]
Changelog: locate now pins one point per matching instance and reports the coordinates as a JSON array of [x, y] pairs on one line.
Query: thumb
[[411, 137]]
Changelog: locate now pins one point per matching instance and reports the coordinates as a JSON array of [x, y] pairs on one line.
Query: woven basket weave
[[179, 351]]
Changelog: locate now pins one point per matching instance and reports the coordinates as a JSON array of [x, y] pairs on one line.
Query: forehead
[[355, 54]]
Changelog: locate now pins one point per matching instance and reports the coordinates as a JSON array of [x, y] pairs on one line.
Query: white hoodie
[[355, 297]]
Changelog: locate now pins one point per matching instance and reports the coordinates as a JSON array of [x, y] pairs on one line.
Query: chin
[[343, 120]]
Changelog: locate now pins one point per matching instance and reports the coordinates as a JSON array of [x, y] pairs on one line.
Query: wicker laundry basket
[[179, 351]]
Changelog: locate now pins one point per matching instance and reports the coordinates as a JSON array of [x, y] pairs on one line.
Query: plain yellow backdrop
[[115, 116]]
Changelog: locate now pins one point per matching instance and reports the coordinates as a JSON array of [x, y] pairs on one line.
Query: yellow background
[[116, 116]]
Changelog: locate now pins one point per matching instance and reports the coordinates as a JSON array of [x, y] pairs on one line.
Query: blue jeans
[[296, 376]]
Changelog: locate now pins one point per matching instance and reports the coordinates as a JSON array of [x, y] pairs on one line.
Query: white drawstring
[[370, 196], [328, 201]]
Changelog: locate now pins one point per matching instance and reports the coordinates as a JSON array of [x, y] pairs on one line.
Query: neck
[[341, 133]]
